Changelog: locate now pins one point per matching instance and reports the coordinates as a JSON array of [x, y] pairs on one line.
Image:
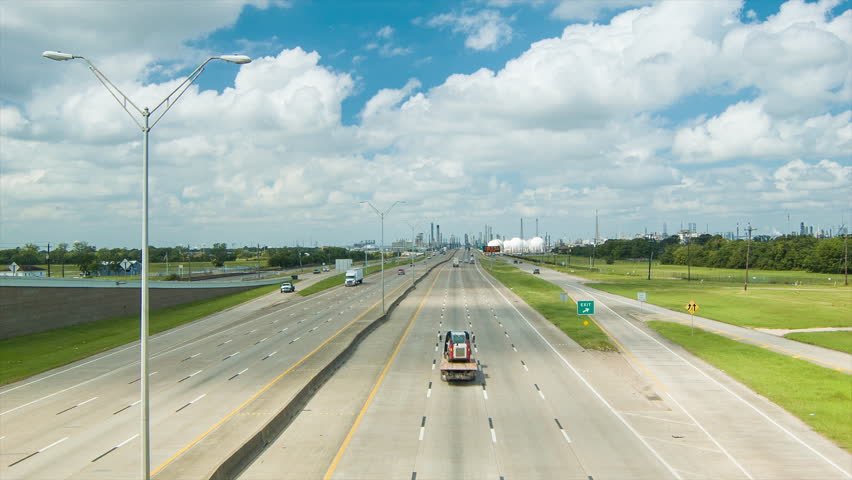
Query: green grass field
[[732, 276], [782, 308], [543, 296], [819, 396], [24, 356], [840, 341]]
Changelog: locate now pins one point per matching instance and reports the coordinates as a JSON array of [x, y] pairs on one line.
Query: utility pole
[[688, 259], [595, 245], [48, 260], [748, 253], [650, 257], [846, 258]]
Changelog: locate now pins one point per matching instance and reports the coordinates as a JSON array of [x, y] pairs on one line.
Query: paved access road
[[82, 420], [541, 407]]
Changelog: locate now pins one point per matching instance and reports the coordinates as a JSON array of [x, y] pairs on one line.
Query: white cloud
[[586, 10], [484, 30], [746, 130], [385, 32], [572, 124]]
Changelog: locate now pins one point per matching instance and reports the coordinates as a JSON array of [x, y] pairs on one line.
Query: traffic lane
[[524, 433], [457, 438], [61, 378], [155, 406], [601, 439], [386, 441], [728, 418], [301, 451]]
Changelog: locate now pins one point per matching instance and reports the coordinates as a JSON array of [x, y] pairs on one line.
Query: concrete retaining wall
[[31, 309]]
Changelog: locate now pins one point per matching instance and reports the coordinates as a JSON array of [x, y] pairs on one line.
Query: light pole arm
[[116, 93], [179, 90]]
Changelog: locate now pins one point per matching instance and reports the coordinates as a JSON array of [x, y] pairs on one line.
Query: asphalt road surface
[[541, 407], [82, 420]]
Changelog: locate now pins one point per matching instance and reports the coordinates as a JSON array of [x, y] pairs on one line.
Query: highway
[[541, 407], [82, 420]]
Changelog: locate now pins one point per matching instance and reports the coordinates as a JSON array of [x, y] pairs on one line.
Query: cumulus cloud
[[484, 30], [574, 123]]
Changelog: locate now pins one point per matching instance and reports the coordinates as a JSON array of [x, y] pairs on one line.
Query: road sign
[[586, 307], [563, 296], [642, 296], [125, 265], [14, 268], [692, 307]]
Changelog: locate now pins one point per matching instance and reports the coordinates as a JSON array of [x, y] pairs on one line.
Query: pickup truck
[[287, 287]]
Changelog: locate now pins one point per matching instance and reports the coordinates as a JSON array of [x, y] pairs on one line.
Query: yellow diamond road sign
[[692, 307]]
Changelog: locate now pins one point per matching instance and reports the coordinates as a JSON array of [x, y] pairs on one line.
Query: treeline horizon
[[88, 257], [800, 252]]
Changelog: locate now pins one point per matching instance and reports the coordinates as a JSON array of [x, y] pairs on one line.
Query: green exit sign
[[586, 307]]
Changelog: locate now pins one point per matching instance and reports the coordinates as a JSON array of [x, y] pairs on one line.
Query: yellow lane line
[[378, 383], [270, 384]]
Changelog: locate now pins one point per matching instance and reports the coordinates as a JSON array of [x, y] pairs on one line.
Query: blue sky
[[716, 112]]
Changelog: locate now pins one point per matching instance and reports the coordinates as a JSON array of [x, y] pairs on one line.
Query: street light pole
[[146, 127], [382, 245]]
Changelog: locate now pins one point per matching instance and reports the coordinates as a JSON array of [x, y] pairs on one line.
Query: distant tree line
[[289, 257], [824, 255], [89, 258]]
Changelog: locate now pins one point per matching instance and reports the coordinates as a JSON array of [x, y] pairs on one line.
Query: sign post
[[643, 297], [692, 307]]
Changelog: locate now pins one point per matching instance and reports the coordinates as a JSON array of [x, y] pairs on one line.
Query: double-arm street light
[[145, 125], [382, 244]]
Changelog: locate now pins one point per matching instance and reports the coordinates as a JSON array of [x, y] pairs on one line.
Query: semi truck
[[458, 362], [354, 276]]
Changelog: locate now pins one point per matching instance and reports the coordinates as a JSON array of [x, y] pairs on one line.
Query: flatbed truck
[[458, 362]]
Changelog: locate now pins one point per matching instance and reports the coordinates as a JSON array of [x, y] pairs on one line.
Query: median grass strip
[[840, 340], [27, 355], [819, 396], [543, 296], [336, 280]]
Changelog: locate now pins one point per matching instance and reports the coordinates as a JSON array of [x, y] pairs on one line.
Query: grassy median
[[819, 396], [27, 355], [840, 341], [543, 296]]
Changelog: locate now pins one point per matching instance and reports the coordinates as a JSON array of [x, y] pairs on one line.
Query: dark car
[[316, 272], [535, 271]]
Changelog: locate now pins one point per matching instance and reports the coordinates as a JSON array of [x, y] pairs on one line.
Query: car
[[326, 269], [317, 271], [400, 271], [515, 262], [287, 287], [535, 271]]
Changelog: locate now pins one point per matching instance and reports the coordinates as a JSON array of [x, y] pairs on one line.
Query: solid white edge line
[[759, 412], [585, 382]]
